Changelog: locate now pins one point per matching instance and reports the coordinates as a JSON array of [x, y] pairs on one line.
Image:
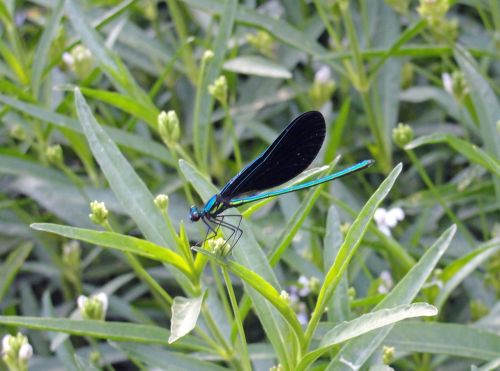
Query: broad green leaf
[[472, 152], [161, 359], [249, 254], [119, 242], [129, 189], [388, 79], [14, 165], [445, 339], [351, 242], [125, 139], [485, 101], [457, 271], [257, 66], [338, 307], [367, 322], [373, 320], [118, 331], [185, 313], [486, 105], [11, 266], [43, 46], [358, 350]]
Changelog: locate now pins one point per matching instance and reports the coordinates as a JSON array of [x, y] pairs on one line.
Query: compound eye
[[194, 215]]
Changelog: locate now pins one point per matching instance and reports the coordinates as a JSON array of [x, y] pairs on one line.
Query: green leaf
[[457, 271], [338, 307], [14, 63], [43, 46], [128, 140], [119, 242], [20, 166], [358, 350], [185, 313], [118, 331], [147, 113], [257, 66], [351, 242], [129, 189], [367, 322], [374, 320], [445, 339], [486, 105], [472, 152], [485, 101], [162, 359], [11, 266]]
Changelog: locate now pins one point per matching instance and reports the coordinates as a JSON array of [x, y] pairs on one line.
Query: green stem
[[245, 359], [220, 289], [214, 329]]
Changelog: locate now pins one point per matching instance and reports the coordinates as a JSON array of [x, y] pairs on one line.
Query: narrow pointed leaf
[[119, 242]]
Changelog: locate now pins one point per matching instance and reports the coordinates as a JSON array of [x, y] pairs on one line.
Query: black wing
[[289, 155]]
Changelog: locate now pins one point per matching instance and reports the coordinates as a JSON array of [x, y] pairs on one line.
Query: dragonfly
[[288, 156]]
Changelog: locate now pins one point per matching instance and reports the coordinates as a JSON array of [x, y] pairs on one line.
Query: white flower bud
[[6, 343], [26, 351], [103, 298], [82, 299]]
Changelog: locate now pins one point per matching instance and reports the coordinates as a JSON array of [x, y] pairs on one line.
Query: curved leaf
[[118, 241]]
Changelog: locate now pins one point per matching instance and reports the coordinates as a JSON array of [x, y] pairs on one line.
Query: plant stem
[[245, 359]]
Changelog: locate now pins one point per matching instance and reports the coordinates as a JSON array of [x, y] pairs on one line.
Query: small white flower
[[302, 315], [293, 297], [81, 301], [304, 286], [323, 74], [447, 82], [386, 284], [6, 343], [272, 8], [68, 59], [285, 295], [26, 351], [103, 298], [388, 219]]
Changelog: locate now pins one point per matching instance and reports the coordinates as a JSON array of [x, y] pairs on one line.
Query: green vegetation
[[118, 115]]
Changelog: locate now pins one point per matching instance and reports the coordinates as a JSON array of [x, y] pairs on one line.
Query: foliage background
[[386, 61]]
